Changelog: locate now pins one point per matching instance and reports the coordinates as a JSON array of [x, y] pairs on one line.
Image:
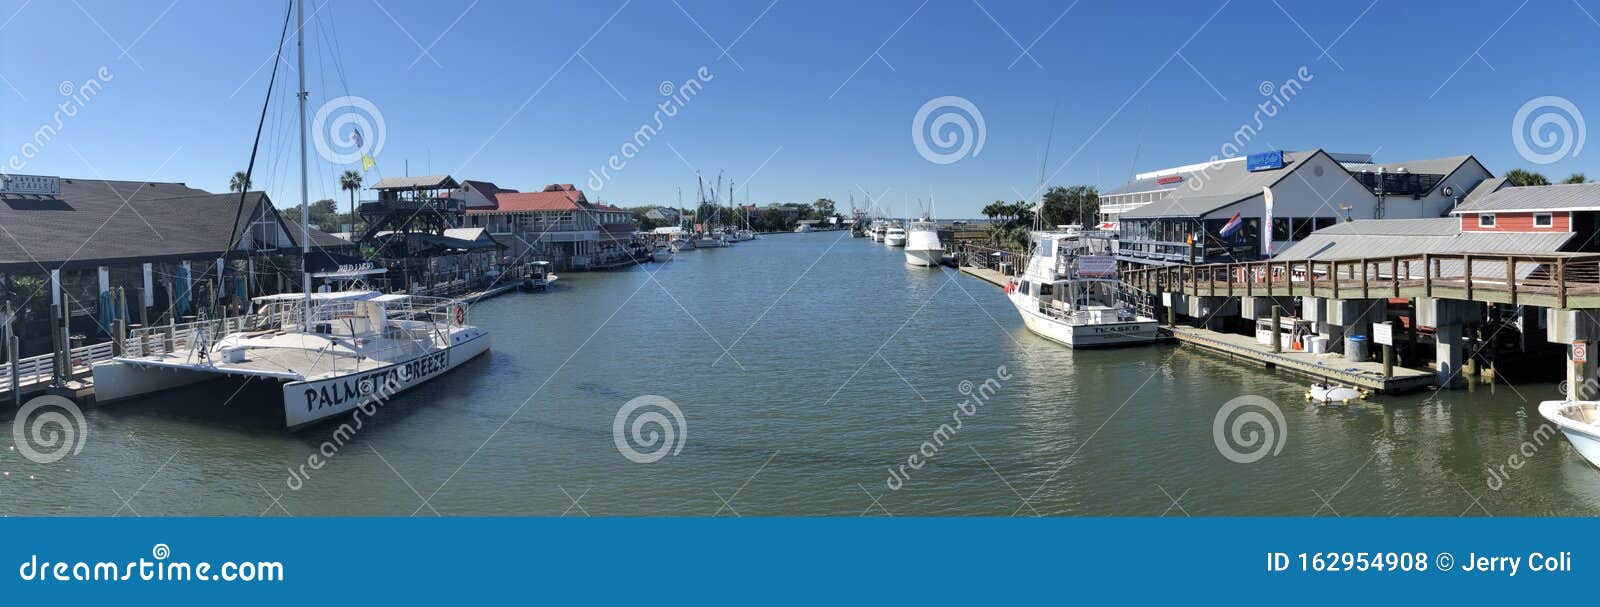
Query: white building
[[1177, 214]]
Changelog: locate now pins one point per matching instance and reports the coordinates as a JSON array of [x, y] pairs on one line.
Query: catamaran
[[332, 351], [1070, 293]]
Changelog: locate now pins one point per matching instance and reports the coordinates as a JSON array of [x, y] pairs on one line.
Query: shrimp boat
[[1579, 421], [1070, 293], [331, 351]]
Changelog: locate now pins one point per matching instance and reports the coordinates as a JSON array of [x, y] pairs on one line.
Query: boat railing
[[167, 339]]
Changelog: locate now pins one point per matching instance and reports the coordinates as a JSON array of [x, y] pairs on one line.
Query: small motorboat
[[1334, 394], [661, 254], [1579, 421]]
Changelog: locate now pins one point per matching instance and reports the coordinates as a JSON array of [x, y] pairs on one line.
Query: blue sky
[[812, 99]]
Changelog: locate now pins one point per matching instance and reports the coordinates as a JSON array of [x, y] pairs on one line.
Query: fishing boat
[[895, 237], [1579, 421], [331, 351], [539, 277], [922, 244], [1069, 293]]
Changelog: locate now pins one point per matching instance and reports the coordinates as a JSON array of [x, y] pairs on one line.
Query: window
[[1303, 227], [1543, 220], [1280, 228], [1326, 222], [1044, 289], [1486, 220]]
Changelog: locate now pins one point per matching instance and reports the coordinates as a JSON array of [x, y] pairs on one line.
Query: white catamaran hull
[[307, 402], [114, 381], [1088, 335], [1576, 419]]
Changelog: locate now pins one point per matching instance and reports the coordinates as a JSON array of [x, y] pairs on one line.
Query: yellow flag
[[367, 162]]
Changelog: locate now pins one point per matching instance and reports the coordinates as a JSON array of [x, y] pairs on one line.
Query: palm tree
[[1521, 177], [351, 180], [1576, 178], [239, 183]]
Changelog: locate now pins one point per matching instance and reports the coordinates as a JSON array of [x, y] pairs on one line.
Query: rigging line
[[254, 147]]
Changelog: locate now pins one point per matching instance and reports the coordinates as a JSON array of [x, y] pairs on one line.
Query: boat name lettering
[[358, 387]]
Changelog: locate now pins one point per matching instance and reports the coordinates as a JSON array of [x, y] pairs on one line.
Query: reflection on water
[[802, 386]]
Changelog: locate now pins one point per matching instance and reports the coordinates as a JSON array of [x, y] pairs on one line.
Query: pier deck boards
[[1330, 367], [990, 276]]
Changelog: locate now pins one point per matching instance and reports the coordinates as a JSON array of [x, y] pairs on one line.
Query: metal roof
[[423, 182], [1219, 185], [1376, 238], [1560, 197], [1426, 166]]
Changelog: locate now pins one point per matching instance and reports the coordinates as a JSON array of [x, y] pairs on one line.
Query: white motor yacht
[[922, 244], [1070, 293], [895, 237]]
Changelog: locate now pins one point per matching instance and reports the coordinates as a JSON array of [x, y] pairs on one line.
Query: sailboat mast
[[305, 196]]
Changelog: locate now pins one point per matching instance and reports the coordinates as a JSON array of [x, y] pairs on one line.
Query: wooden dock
[[1327, 367], [990, 276]]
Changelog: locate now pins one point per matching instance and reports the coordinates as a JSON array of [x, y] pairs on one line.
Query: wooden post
[[1394, 275], [57, 339], [1277, 333], [1388, 361], [1427, 274], [11, 352], [1511, 278], [1466, 263], [16, 378], [1365, 281], [1561, 282]]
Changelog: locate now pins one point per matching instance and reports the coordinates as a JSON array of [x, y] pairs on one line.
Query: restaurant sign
[[30, 184]]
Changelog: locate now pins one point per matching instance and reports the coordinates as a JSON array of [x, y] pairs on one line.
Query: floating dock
[[1326, 367]]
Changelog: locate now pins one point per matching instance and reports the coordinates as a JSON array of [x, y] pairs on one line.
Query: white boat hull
[[661, 256], [114, 381], [308, 402], [1576, 420], [1103, 335], [895, 241], [924, 257]]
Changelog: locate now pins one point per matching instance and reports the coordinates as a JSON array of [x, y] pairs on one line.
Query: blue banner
[[758, 561]]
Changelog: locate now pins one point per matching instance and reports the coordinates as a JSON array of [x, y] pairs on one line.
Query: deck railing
[[1561, 281]]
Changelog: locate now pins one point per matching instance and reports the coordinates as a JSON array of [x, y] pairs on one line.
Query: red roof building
[[558, 221]]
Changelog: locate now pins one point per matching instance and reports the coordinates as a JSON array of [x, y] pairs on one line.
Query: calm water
[[840, 361]]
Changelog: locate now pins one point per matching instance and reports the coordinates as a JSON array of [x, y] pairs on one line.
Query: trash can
[[1355, 348]]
